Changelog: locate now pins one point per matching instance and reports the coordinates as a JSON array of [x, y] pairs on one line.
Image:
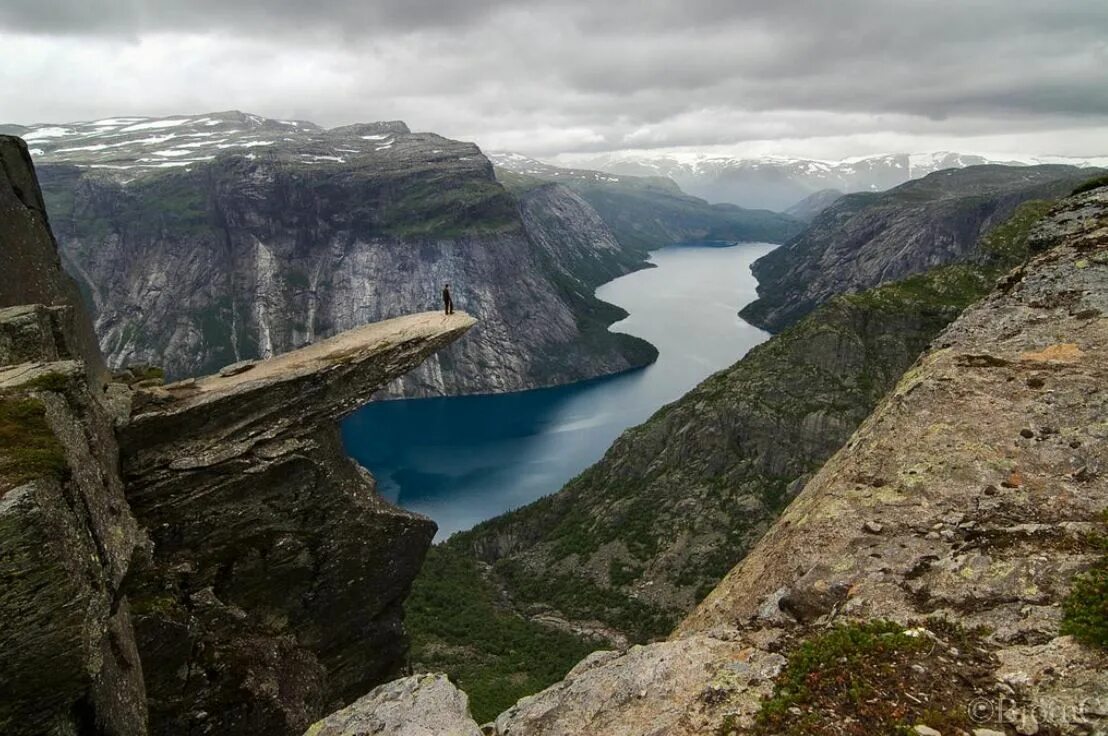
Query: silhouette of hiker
[[447, 301]]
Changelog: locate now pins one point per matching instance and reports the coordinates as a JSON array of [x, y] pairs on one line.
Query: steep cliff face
[[630, 546], [863, 240], [973, 494], [248, 254], [70, 663], [29, 258], [66, 534], [274, 582], [194, 558]]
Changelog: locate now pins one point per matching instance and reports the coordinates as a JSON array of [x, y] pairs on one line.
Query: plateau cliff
[[199, 557], [208, 240], [866, 239]]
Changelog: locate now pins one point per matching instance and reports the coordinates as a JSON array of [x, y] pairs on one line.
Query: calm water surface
[[462, 460]]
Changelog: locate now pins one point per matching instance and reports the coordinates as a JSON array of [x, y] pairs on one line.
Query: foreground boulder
[[420, 705]]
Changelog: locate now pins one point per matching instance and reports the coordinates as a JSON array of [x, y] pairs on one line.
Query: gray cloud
[[556, 76]]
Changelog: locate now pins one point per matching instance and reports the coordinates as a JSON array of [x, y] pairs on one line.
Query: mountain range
[[779, 182]]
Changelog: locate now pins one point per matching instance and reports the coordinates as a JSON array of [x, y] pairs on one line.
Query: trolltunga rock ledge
[[273, 586]]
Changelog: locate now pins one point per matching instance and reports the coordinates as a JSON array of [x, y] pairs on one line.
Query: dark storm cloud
[[565, 75], [240, 16]]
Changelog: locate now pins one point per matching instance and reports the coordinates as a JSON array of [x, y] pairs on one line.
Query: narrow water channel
[[461, 460]]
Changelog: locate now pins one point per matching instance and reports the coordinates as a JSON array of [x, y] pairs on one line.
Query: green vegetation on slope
[[491, 653], [1085, 610], [28, 447], [1091, 184], [447, 207], [876, 677]]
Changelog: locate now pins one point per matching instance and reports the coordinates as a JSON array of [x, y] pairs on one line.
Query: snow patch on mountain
[[129, 146], [778, 182]]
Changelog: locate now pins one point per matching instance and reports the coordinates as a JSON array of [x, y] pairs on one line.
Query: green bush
[[1085, 609], [1091, 184], [460, 625]]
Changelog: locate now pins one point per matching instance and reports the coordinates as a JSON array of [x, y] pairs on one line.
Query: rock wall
[[273, 587], [29, 258], [66, 540]]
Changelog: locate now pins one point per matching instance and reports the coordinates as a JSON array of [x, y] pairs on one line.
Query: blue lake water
[[461, 460]]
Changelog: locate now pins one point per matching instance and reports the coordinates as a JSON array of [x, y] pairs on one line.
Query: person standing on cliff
[[447, 301]]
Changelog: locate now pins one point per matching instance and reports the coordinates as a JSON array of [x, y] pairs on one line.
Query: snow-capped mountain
[[777, 183], [520, 164], [137, 144]]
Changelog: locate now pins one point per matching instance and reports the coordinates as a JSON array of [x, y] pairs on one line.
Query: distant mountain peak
[[132, 144], [778, 182]]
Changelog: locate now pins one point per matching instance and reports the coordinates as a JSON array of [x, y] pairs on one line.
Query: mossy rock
[[28, 447]]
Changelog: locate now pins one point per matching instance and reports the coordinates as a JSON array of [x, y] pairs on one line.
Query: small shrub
[[863, 679], [1091, 184], [1085, 609], [52, 381]]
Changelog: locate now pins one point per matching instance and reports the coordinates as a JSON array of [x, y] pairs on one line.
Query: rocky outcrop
[[649, 689], [274, 584], [66, 534], [283, 236], [29, 257], [972, 494], [864, 240], [421, 705], [194, 558], [70, 663]]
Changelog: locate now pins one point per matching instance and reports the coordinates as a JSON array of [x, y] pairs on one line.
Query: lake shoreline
[[467, 458]]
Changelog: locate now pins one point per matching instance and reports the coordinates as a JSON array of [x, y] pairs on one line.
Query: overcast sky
[[822, 78]]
